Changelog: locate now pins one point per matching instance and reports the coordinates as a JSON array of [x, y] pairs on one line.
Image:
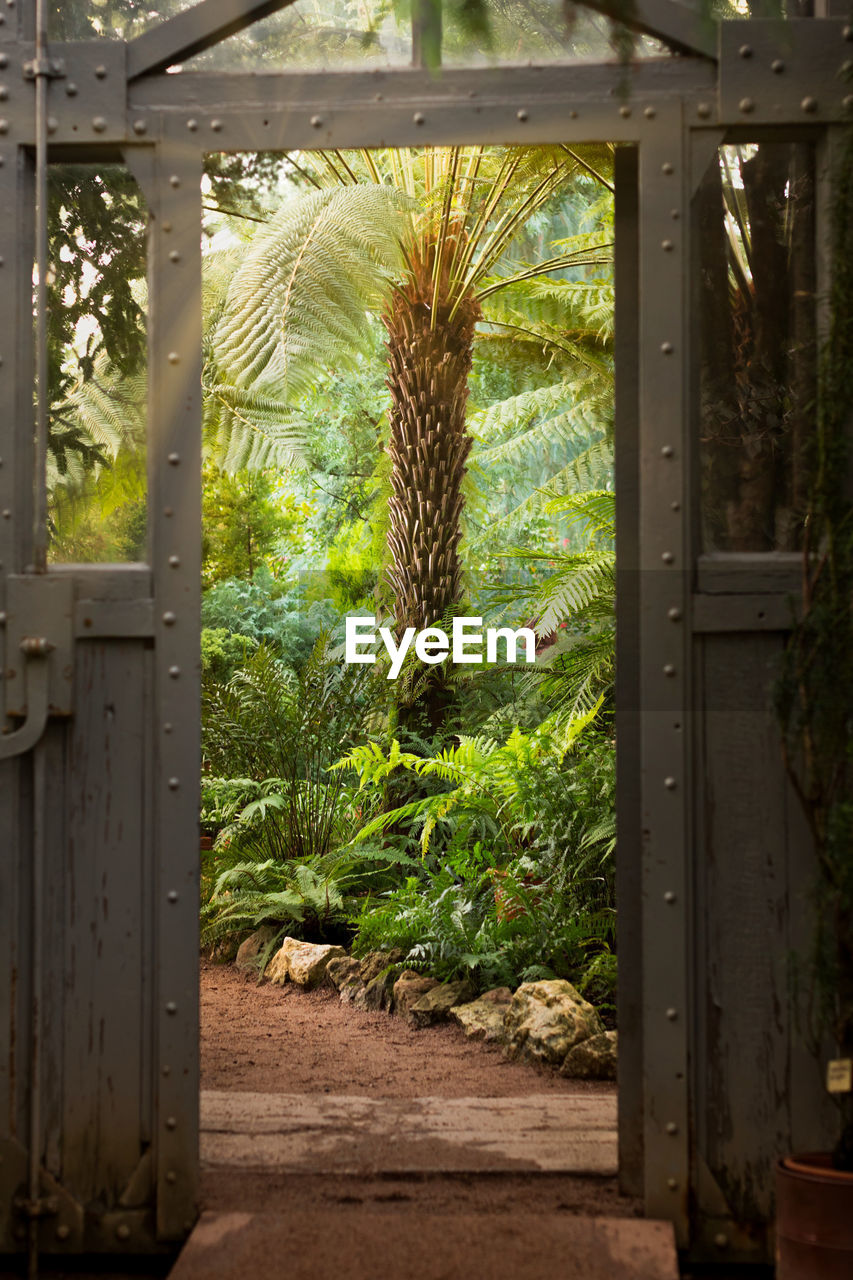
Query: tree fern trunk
[[429, 360]]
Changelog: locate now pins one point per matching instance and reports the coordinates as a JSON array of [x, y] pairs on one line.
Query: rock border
[[546, 1023]]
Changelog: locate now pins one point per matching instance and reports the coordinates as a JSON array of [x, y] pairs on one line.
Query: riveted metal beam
[[174, 505], [775, 72], [192, 31]]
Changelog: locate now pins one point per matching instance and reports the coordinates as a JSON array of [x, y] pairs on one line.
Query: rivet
[[166, 1070], [172, 895], [672, 1014], [624, 112], [521, 115], [672, 1183], [174, 561], [2, 261], [573, 115], [101, 73], [168, 512], [667, 246], [167, 227], [721, 1240], [2, 619], [667, 167], [171, 1176], [671, 1128], [174, 783], [847, 103], [7, 514], [777, 65], [171, 1122], [809, 104], [703, 110], [4, 61], [667, 557], [123, 1231], [675, 506], [174, 180], [174, 256], [169, 618], [171, 1007], [670, 784], [746, 105], [674, 614], [4, 126], [650, 113], [52, 124], [140, 126], [174, 672], [745, 51], [419, 117], [174, 459], [71, 89], [669, 897], [4, 93], [316, 122], [666, 348], [667, 450], [63, 1231], [192, 125], [847, 33], [216, 126], [173, 357], [167, 727], [99, 124], [669, 669], [378, 97]]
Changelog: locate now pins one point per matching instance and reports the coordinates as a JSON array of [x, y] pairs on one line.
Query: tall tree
[[423, 238]]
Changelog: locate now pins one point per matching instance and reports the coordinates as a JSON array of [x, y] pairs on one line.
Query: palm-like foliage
[[423, 237]]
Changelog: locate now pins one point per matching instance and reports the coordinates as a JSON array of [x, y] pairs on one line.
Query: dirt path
[[269, 1039]]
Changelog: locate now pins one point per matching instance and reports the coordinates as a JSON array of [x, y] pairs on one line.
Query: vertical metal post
[[664, 667], [629, 845], [40, 476], [175, 554]]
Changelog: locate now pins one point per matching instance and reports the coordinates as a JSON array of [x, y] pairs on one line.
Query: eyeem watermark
[[433, 645]]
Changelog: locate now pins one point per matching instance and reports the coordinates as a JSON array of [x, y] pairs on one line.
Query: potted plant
[[815, 704]]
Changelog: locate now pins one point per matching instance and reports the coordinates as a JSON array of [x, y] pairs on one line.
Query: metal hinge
[[38, 674], [53, 68]]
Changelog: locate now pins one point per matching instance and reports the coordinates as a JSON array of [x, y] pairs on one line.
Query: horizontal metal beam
[[193, 31], [410, 107], [681, 28]]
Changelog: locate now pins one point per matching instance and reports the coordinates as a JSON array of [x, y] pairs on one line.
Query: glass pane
[[108, 19], [755, 308], [316, 34], [536, 31], [97, 348]]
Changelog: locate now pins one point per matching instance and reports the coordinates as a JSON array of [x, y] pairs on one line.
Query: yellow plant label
[[839, 1075]]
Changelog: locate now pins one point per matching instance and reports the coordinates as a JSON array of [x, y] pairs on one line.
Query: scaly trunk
[[429, 360]]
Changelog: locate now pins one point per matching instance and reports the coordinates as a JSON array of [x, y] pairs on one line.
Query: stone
[[547, 1019], [378, 992], [302, 962], [375, 961], [435, 1006], [351, 989], [485, 1019], [592, 1059], [249, 952], [340, 971], [408, 988]]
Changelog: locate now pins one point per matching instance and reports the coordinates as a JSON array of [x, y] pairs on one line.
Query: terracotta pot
[[814, 1220], [507, 903], [205, 843]]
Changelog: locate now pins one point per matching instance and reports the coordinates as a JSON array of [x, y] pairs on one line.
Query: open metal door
[[99, 763]]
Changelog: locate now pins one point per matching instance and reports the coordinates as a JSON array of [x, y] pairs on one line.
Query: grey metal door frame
[[670, 114]]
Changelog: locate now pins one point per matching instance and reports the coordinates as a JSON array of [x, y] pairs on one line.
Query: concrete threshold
[[358, 1135]]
